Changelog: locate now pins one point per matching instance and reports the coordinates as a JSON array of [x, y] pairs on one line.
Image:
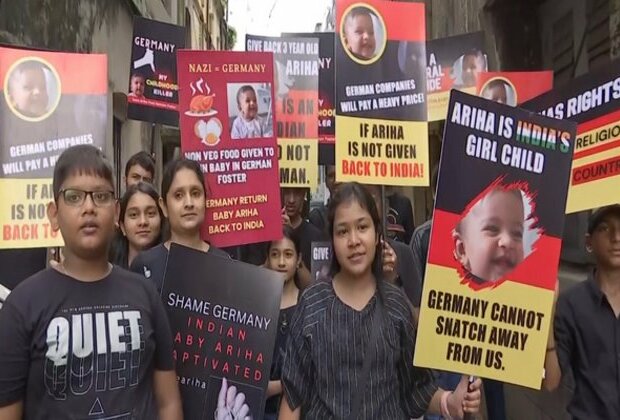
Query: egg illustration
[[209, 132]]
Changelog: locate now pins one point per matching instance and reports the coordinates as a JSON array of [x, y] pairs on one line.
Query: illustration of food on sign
[[208, 132], [201, 104]]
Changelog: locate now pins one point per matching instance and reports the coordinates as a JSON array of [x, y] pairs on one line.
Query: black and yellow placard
[[296, 63], [495, 241], [49, 102], [593, 101], [381, 129]]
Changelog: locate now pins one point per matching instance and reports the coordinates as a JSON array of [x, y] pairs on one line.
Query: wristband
[[445, 413]]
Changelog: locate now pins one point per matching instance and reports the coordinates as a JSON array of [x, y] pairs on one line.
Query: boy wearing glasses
[[85, 339]]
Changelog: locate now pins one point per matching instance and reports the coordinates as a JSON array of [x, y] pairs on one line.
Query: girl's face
[[142, 223], [185, 202], [283, 258], [355, 238]]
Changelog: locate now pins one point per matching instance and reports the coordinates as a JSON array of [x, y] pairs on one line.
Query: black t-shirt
[[406, 272], [284, 321], [19, 264], [400, 215], [152, 263], [83, 350]]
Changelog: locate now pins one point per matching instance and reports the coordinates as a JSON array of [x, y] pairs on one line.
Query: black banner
[[153, 92], [327, 94], [321, 260], [224, 316]]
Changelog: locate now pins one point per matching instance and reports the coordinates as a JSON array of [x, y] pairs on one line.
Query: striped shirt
[[323, 361]]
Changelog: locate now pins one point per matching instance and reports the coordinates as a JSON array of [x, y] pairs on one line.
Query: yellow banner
[[496, 333], [23, 214], [437, 103], [299, 162], [382, 152], [595, 175]]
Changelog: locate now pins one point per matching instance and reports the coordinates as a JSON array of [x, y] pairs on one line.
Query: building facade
[[106, 26]]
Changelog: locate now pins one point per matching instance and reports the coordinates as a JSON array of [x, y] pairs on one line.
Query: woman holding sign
[[183, 202], [329, 371]]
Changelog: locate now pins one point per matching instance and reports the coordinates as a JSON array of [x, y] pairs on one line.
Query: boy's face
[[248, 104], [490, 242], [605, 242], [471, 69], [28, 90], [360, 35], [87, 229], [137, 86], [293, 199], [136, 175]]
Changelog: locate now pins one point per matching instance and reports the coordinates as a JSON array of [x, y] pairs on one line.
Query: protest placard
[[224, 317], [321, 259], [153, 93], [327, 94], [513, 87], [593, 101], [50, 102], [452, 63], [296, 105], [226, 118], [381, 129], [495, 241]]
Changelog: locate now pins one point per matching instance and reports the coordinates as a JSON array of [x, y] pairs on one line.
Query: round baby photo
[[500, 90], [466, 69], [363, 33], [32, 89], [495, 234]]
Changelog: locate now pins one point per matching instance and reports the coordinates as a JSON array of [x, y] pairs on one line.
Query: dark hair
[[346, 193], [175, 166], [143, 160], [244, 89], [137, 75], [119, 252], [288, 233], [83, 159]]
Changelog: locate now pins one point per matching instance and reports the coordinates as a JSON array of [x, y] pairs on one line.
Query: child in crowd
[[584, 337], [85, 336], [248, 124], [140, 224], [183, 201], [139, 168], [489, 239], [136, 86], [321, 375], [359, 33], [284, 257], [27, 89]]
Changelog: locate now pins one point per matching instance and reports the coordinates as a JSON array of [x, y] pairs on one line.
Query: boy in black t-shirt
[[85, 339]]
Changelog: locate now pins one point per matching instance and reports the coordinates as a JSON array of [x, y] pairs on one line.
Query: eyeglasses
[[76, 198]]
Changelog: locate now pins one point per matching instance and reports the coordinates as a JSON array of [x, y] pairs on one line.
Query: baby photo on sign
[[249, 110], [495, 234], [363, 34], [32, 89]]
